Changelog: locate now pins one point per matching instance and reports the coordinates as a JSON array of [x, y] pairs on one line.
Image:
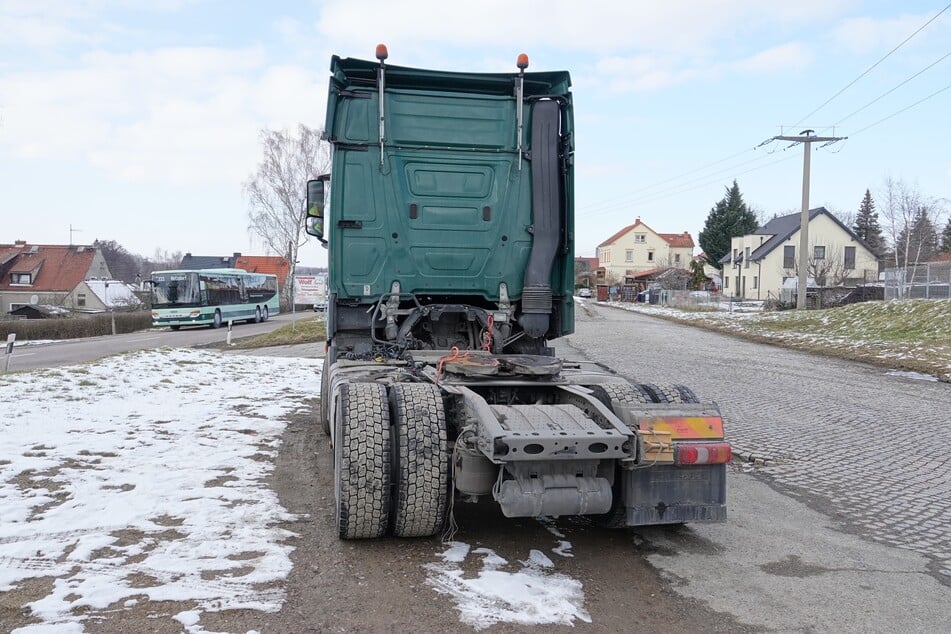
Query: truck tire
[[627, 393], [422, 460], [671, 393], [323, 410], [362, 455]]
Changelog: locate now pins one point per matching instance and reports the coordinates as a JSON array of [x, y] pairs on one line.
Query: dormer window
[[22, 278]]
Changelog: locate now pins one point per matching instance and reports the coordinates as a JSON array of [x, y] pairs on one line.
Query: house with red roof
[[270, 264], [52, 275], [637, 248]]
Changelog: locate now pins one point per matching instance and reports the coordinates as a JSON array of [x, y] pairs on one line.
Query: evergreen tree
[[729, 218], [918, 242], [866, 224], [946, 238]]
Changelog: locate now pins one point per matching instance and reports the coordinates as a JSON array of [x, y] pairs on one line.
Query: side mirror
[[316, 191]]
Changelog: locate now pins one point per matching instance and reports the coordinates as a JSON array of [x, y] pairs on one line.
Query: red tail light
[[702, 453]]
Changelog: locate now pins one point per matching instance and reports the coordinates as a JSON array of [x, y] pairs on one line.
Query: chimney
[[20, 243]]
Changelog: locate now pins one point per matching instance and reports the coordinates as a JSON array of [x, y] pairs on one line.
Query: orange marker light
[[522, 61], [381, 52]]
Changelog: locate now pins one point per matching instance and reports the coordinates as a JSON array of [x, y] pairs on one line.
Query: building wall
[[763, 279], [640, 249], [15, 298]]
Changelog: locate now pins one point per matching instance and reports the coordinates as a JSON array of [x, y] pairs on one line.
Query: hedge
[[75, 327]]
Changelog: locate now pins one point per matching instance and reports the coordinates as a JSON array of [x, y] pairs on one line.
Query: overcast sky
[[139, 121]]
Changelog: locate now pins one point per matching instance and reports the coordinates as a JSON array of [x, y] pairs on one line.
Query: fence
[[931, 280]]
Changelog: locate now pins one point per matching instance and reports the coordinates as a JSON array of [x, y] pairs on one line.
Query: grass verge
[[304, 330], [911, 335]]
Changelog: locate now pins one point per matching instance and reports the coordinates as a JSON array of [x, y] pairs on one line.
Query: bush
[[75, 327]]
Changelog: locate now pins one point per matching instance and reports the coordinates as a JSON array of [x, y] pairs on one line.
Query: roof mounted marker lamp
[[316, 194], [381, 54], [522, 63]]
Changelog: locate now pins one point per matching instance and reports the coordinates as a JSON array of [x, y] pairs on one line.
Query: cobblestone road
[[869, 450]]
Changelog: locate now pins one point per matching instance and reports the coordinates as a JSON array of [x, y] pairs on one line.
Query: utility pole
[[807, 138]]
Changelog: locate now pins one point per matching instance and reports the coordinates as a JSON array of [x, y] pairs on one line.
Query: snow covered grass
[[142, 477], [912, 335]]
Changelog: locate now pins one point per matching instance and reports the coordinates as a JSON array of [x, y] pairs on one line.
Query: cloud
[[179, 115], [601, 26], [792, 56], [866, 35]]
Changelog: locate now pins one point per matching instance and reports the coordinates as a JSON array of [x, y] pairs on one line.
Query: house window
[[640, 238], [606, 255], [819, 252], [80, 299], [676, 258], [736, 255], [789, 257], [629, 255], [746, 258], [650, 256], [726, 282], [755, 282], [22, 278], [850, 257]]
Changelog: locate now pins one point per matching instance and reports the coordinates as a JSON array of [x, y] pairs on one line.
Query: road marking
[[145, 339], [24, 354]]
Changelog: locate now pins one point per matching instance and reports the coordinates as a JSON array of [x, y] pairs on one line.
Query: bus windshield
[[175, 289]]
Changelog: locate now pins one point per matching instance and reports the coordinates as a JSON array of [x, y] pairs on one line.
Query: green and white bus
[[211, 297]]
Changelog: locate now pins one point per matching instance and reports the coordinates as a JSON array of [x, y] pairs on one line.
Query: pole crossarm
[[805, 137]]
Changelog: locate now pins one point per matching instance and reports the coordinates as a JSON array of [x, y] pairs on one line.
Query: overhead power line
[[885, 94], [870, 68], [895, 114]]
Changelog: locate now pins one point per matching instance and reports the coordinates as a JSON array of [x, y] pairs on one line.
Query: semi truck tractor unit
[[449, 221]]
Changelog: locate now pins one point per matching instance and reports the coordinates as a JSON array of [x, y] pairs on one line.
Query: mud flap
[[674, 495]]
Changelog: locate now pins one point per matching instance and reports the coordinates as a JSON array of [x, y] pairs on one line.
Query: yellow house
[[637, 248], [759, 263]]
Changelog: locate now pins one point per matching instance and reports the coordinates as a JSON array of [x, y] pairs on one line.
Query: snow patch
[[531, 595], [144, 474]]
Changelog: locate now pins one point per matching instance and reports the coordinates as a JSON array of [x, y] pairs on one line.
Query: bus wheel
[[265, 313], [217, 322], [257, 315]]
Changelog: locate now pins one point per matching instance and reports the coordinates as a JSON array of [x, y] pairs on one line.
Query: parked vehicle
[[450, 240], [212, 297], [584, 292]]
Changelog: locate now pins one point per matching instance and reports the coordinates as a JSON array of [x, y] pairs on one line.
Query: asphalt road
[[28, 356]]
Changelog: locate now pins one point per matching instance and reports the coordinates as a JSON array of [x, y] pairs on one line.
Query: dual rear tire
[[390, 460]]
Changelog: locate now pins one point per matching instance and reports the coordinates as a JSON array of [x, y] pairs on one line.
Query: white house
[[637, 248], [759, 263]]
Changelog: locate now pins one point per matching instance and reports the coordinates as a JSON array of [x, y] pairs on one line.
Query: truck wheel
[[323, 411], [422, 459], [672, 393], [362, 462], [627, 393]]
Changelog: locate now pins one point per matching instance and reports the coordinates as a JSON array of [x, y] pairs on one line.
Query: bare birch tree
[[906, 212], [277, 190]]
